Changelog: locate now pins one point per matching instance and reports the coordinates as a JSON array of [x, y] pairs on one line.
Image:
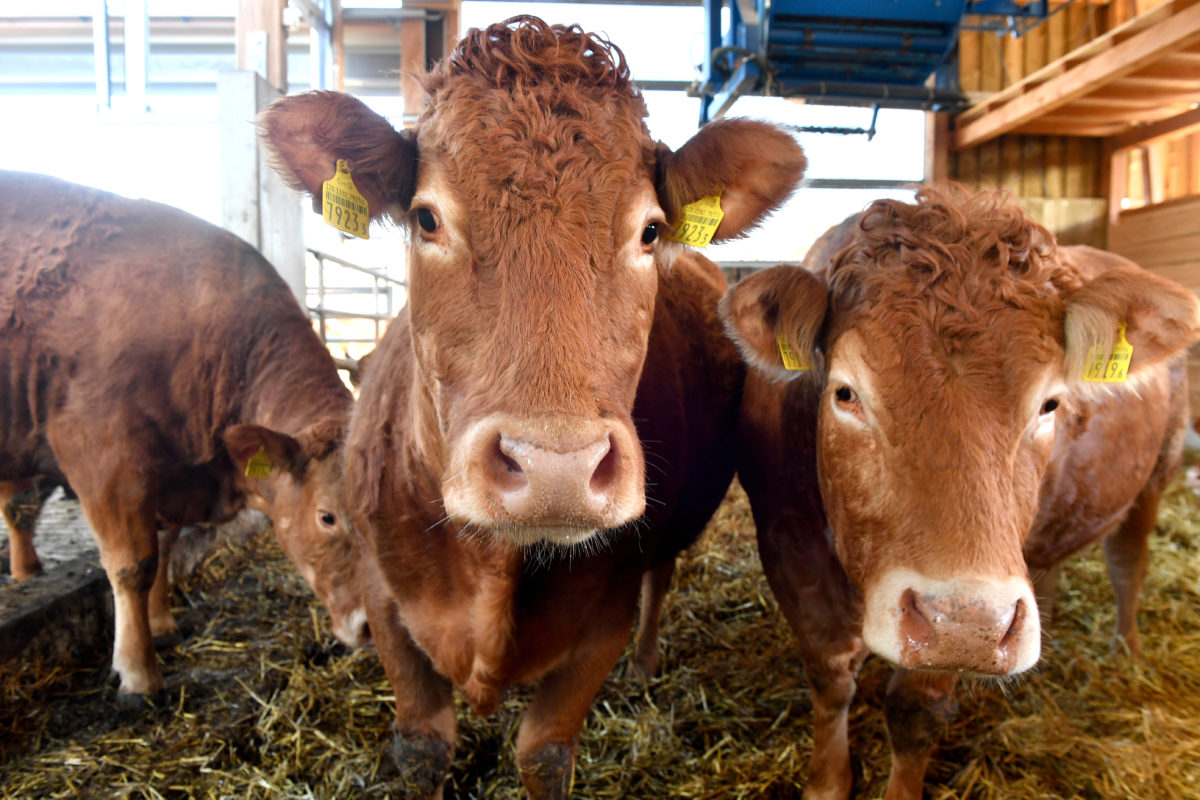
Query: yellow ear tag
[[259, 465], [791, 361], [342, 206], [698, 222], [1113, 369]]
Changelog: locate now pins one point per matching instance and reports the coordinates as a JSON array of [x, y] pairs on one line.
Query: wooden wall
[[1062, 180]]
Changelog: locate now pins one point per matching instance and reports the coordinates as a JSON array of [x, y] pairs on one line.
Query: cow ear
[[259, 452], [1161, 318], [752, 166], [774, 316], [308, 133]]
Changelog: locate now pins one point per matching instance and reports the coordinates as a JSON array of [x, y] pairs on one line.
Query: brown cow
[[147, 357], [956, 447], [495, 466]]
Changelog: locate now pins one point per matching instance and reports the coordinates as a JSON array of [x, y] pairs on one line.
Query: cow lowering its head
[[951, 337], [538, 208]]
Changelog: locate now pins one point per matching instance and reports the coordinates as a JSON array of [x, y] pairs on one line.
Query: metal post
[[102, 46]]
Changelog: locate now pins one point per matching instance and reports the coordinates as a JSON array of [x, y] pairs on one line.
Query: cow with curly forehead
[[549, 421], [974, 405]]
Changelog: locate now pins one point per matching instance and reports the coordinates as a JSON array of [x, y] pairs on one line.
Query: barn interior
[[1086, 111]]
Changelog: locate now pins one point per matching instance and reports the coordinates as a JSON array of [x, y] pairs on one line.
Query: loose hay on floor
[[265, 703]]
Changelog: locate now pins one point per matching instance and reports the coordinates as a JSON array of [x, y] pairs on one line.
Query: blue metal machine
[[883, 53]]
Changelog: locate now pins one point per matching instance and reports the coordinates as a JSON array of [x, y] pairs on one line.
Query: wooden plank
[[1055, 174], [991, 67], [1194, 162], [1186, 274], [1141, 49], [1013, 55], [966, 167], [970, 65], [1035, 49], [1056, 36], [1182, 124], [1012, 171], [1163, 253], [1033, 165], [1155, 223], [989, 163], [1065, 126]]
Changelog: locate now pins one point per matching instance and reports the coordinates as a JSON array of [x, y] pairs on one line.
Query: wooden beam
[[1181, 125], [937, 147], [255, 20], [1180, 30]]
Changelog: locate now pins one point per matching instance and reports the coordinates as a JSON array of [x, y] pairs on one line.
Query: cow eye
[[327, 518], [1050, 405], [650, 234], [427, 220], [845, 394]]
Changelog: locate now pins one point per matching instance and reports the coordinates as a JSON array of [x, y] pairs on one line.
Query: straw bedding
[[265, 704]]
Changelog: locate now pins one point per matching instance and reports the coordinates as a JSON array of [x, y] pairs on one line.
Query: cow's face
[[302, 490], [538, 208], [949, 345]]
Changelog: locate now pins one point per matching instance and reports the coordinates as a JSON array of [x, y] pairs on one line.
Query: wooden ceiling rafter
[[1098, 88]]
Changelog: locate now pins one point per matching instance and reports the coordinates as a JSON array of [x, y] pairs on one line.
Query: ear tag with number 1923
[[343, 206]]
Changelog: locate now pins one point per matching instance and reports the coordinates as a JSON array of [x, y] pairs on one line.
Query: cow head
[[297, 481], [538, 209], [950, 336]]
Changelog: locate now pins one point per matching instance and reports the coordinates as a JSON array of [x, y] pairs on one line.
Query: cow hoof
[[132, 704], [422, 763], [549, 773], [166, 641]]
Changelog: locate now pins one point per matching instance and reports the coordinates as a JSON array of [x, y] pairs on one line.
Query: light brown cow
[[146, 357], [955, 444], [497, 472]]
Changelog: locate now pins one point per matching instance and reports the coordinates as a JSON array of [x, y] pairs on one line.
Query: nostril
[[504, 470], [365, 634], [1013, 634], [916, 630], [604, 477]]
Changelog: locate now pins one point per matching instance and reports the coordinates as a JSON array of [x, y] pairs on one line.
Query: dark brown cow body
[[146, 356], [949, 439], [500, 479]]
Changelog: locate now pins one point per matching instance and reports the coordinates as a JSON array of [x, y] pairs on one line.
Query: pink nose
[[963, 632], [552, 482]]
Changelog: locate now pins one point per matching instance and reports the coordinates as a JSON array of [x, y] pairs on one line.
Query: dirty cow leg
[[128, 541], [655, 583], [549, 733], [22, 503], [162, 622], [423, 732], [1127, 552], [920, 707]]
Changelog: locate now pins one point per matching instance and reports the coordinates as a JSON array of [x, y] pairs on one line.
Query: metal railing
[[382, 286]]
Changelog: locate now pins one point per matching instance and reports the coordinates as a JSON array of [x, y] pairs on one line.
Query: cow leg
[[920, 707], [655, 583], [818, 604], [118, 500], [1127, 551], [22, 503], [162, 622], [549, 735], [423, 732]]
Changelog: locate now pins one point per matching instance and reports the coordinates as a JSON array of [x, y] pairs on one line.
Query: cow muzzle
[[987, 627], [554, 479]]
